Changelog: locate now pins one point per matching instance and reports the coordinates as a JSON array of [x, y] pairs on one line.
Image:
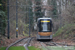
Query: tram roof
[[44, 18]]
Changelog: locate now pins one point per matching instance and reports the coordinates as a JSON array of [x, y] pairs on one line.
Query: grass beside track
[[19, 48], [42, 48]]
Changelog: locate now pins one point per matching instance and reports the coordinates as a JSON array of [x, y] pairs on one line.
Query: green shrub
[[2, 22], [66, 30]]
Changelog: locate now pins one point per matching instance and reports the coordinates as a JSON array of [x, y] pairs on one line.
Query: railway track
[[43, 44], [52, 43], [26, 46]]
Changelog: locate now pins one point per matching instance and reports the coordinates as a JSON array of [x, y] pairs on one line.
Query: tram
[[44, 28]]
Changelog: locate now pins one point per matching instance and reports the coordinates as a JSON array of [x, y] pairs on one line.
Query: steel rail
[[26, 47], [57, 44], [44, 46], [21, 40], [15, 43]]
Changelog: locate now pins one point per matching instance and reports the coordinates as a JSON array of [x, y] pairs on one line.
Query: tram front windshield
[[44, 27]]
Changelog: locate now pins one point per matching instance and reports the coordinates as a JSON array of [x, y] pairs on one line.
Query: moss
[[2, 48], [19, 48], [14, 48], [33, 48]]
